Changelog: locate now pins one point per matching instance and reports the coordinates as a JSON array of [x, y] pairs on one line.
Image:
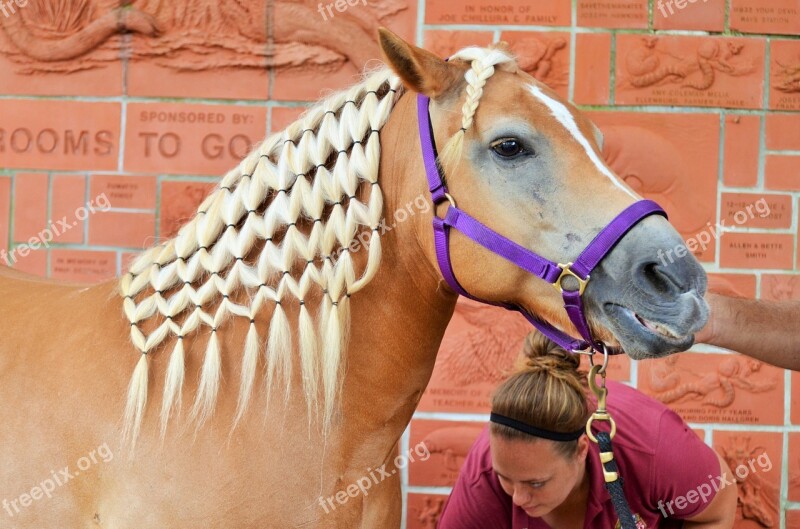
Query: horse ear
[[420, 70]]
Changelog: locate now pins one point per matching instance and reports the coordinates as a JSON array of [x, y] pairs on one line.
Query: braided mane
[[275, 230]]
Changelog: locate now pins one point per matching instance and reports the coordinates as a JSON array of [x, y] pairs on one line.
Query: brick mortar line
[[625, 31], [152, 100], [572, 52], [720, 181], [784, 483]]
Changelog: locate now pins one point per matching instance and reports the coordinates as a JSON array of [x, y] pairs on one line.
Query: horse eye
[[508, 148]]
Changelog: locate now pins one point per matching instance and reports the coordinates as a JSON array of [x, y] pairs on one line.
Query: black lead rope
[[603, 439], [614, 482]]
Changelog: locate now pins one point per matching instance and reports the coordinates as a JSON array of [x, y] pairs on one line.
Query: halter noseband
[[551, 272]]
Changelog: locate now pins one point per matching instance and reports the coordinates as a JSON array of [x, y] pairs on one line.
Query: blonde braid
[[482, 67], [289, 179]]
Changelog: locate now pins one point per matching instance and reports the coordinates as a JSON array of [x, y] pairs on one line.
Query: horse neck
[[399, 320]]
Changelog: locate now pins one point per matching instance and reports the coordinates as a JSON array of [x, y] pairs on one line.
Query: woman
[[533, 468]]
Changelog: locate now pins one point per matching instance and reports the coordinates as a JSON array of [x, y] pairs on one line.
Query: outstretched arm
[[764, 330]]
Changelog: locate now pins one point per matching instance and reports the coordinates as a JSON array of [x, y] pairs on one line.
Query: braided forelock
[[482, 63]]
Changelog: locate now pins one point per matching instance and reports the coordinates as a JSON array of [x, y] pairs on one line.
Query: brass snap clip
[[601, 392]]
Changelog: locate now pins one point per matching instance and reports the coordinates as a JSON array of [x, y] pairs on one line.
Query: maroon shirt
[[659, 456]]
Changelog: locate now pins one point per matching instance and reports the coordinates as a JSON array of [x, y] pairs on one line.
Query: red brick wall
[[699, 102]]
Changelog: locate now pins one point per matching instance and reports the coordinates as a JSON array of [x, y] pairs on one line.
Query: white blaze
[[565, 117]]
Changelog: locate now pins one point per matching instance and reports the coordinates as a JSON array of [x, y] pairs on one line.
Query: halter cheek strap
[[551, 272]]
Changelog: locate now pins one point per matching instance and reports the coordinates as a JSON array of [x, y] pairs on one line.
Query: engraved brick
[[766, 16], [181, 138], [64, 135], [613, 14], [715, 388], [784, 82], [82, 266], [505, 12], [125, 192], [690, 71], [757, 250], [752, 210]]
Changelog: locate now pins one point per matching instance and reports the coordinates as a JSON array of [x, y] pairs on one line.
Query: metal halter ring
[[449, 198], [605, 357]]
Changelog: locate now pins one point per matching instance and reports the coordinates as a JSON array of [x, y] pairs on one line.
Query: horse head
[[528, 165]]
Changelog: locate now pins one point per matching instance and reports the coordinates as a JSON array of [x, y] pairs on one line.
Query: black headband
[[534, 431]]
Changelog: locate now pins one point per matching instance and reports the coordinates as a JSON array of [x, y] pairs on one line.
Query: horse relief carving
[[73, 35], [781, 288], [429, 514], [655, 167], [537, 58], [483, 348], [787, 77], [754, 491], [453, 444], [649, 66], [717, 389]]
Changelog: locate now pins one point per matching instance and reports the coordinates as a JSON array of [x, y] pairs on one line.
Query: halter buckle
[[566, 270]]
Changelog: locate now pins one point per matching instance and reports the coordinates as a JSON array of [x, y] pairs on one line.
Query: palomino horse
[[255, 302]]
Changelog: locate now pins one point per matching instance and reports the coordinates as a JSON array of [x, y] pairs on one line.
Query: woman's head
[[546, 392]]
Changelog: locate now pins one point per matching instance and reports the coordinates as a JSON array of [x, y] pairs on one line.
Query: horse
[[302, 313]]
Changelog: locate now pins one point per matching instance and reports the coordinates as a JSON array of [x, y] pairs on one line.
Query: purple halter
[[551, 272]]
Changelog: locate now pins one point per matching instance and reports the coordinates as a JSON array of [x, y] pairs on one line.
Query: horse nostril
[[661, 279]]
